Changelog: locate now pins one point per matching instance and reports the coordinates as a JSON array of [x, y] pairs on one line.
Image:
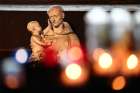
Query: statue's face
[[56, 17], [36, 28]]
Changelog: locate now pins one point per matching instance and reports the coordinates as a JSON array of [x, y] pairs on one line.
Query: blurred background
[[107, 62]]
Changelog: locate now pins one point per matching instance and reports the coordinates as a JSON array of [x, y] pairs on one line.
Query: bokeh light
[[136, 31], [73, 71], [75, 53], [119, 15], [121, 23], [12, 73], [97, 15], [74, 75], [9, 66], [132, 62], [96, 53], [12, 82], [131, 66], [137, 17], [97, 32], [118, 83], [105, 61], [64, 59], [105, 65], [21, 55]]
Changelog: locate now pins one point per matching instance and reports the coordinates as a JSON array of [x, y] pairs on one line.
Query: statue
[[58, 35]]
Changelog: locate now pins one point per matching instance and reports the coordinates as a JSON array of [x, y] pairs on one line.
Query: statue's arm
[[37, 41]]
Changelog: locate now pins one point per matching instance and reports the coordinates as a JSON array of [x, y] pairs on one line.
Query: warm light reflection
[[105, 61], [73, 71], [131, 66], [132, 62], [74, 75], [119, 83], [75, 53], [105, 65]]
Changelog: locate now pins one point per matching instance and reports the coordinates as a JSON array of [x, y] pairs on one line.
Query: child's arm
[[41, 43], [36, 40]]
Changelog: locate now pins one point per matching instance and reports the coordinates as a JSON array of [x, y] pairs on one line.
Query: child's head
[[34, 26]]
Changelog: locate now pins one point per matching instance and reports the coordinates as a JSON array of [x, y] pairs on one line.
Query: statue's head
[[56, 15], [34, 27]]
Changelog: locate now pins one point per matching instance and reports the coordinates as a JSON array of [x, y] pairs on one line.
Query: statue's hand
[[43, 36], [49, 23]]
